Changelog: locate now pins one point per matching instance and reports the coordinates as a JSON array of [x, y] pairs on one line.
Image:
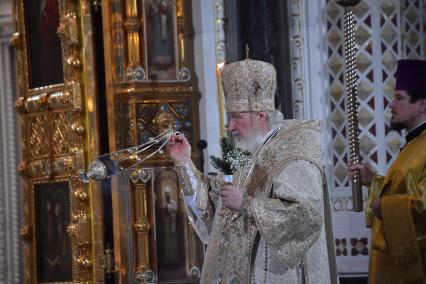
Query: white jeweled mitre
[[249, 85]]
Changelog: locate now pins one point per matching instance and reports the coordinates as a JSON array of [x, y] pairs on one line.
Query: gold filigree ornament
[[249, 85], [25, 233], [22, 168], [105, 166], [14, 39], [72, 231], [84, 262], [164, 120]]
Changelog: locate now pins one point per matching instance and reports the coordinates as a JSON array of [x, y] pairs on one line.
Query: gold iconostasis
[[95, 78]]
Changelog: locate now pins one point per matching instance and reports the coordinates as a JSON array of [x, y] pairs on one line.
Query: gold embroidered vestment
[[284, 219], [399, 239]]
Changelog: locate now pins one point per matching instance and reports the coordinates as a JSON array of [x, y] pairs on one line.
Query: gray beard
[[251, 143]]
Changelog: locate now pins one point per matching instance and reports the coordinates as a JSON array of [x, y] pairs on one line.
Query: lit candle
[[220, 99]]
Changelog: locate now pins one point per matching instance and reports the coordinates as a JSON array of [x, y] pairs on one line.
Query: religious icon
[[54, 258], [161, 41], [43, 43], [170, 211], [170, 241]]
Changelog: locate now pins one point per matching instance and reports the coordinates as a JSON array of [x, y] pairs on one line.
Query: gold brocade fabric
[[291, 223], [249, 85], [398, 240]]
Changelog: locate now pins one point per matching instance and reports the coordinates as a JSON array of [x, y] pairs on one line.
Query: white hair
[[274, 118]]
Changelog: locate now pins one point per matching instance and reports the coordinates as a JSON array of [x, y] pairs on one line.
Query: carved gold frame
[[59, 135]]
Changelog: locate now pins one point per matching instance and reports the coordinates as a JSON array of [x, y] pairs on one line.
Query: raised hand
[[366, 172], [179, 149]]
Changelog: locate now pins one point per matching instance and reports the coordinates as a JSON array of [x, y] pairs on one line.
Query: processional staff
[[351, 97]]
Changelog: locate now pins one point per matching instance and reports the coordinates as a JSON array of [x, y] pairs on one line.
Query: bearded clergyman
[[272, 223]]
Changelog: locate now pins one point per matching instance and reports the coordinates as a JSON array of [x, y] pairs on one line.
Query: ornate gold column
[[142, 226], [194, 258], [132, 26], [180, 29]]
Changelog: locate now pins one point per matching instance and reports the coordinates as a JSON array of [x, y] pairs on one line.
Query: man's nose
[[392, 104], [230, 126]]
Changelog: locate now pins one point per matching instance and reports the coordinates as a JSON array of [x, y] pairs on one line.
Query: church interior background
[[82, 78]]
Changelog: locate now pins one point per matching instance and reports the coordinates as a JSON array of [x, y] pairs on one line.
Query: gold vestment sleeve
[[400, 237], [373, 194], [203, 192]]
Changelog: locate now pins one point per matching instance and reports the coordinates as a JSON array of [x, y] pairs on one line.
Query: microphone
[[201, 145]]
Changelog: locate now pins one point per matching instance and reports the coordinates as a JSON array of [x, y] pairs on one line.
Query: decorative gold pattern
[[186, 187], [84, 263], [249, 85], [127, 125], [35, 103], [78, 128], [273, 216], [60, 100], [142, 226], [22, 168], [60, 127], [163, 121], [81, 195], [68, 29], [136, 89], [20, 104], [26, 233], [72, 231], [51, 151], [35, 169], [232, 237], [38, 136]]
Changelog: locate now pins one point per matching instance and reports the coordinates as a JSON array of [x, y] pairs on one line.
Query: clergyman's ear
[[423, 105], [262, 115]]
